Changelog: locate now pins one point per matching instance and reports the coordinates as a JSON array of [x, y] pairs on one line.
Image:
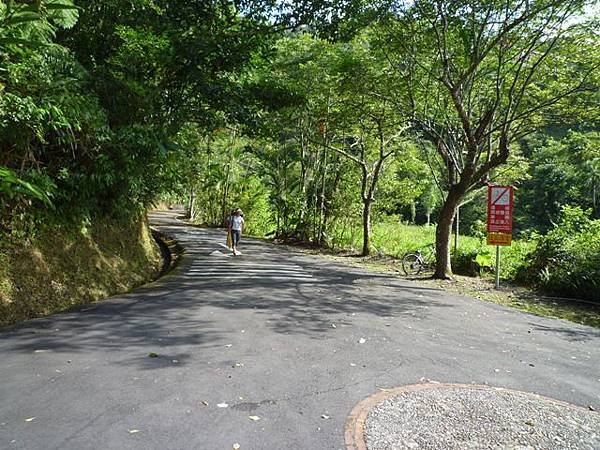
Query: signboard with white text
[[500, 212]]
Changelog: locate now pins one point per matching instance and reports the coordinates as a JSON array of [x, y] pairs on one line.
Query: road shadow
[[299, 294], [572, 334]]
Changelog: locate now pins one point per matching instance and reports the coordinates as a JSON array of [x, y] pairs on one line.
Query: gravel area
[[479, 418]]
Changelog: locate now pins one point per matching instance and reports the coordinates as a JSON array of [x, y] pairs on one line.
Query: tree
[[564, 171], [368, 127], [479, 76]]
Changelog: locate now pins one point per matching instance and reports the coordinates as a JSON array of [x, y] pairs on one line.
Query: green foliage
[[90, 108], [253, 197], [12, 187], [105, 106], [471, 261], [564, 171], [34, 23], [566, 260], [391, 236]]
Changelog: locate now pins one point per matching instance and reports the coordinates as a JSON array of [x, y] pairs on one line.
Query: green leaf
[[22, 18], [484, 259], [63, 14], [61, 6], [10, 184], [18, 41]]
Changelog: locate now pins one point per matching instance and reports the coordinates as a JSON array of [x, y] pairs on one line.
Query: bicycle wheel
[[412, 264]]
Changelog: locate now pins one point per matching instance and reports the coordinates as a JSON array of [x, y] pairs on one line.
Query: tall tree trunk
[[192, 203], [457, 228], [277, 232], [333, 192], [442, 235], [301, 226], [225, 193], [366, 226], [322, 200]]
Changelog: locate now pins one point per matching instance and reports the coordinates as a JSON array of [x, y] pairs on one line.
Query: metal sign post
[[499, 225], [497, 267]]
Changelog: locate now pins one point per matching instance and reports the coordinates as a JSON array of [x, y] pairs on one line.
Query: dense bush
[[471, 261], [566, 261]]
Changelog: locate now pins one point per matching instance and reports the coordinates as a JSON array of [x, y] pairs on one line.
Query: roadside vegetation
[[371, 127]]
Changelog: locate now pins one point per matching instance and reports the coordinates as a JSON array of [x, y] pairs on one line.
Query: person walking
[[228, 221], [236, 225]]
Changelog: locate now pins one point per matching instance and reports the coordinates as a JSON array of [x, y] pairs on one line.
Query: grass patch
[[390, 237], [394, 238]]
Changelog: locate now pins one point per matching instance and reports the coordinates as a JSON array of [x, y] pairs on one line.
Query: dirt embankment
[[62, 268]]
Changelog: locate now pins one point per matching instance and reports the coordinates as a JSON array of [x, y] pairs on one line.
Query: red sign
[[500, 209]]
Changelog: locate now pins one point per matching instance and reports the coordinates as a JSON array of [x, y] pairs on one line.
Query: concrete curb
[[355, 424], [171, 251]]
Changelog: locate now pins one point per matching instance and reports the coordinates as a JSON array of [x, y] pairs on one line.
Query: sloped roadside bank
[[63, 268]]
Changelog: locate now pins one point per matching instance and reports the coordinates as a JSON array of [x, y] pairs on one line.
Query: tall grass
[[394, 238], [390, 237]]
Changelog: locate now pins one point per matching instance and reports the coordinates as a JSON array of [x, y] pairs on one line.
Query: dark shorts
[[235, 237]]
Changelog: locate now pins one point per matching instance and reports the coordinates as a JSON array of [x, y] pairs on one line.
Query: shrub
[[472, 260], [566, 261]]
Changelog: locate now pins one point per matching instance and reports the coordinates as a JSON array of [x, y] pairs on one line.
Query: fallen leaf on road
[[255, 418], [133, 431], [153, 355], [222, 405], [30, 419], [362, 340]]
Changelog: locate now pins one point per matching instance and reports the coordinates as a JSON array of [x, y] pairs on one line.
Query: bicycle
[[415, 263]]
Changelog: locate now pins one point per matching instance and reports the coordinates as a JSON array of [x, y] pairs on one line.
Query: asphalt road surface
[[293, 340]]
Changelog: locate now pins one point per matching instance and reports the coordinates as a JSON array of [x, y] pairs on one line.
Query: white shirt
[[237, 222]]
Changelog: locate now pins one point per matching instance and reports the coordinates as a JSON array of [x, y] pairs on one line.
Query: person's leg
[[235, 237]]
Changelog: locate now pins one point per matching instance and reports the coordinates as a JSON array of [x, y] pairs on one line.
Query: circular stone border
[[355, 424]]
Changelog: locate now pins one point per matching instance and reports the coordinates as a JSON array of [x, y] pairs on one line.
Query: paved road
[[273, 334]]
